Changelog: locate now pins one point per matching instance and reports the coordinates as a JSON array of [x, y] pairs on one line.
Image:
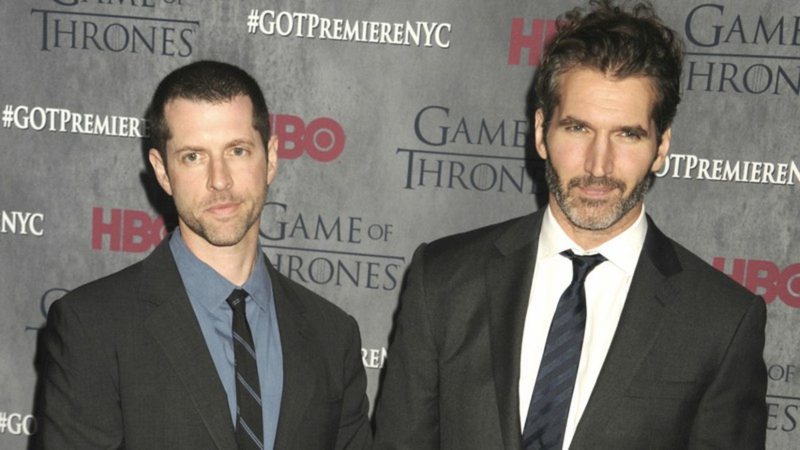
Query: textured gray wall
[[393, 151]]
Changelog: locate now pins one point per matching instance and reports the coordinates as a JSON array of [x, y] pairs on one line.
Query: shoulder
[[114, 295], [101, 293], [709, 280], [456, 260], [481, 241], [95, 315], [704, 289]]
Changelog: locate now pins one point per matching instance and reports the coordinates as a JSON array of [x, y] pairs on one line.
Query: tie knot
[[584, 263], [236, 299]]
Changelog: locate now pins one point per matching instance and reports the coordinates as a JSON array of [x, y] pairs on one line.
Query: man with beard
[[580, 326], [203, 344]]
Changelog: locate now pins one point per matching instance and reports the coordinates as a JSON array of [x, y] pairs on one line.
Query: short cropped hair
[[209, 81], [620, 43]]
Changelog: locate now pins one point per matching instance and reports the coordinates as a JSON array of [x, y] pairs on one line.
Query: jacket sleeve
[[354, 428], [77, 401], [407, 413], [733, 413]]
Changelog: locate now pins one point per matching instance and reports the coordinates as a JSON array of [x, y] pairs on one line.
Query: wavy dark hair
[[617, 40]]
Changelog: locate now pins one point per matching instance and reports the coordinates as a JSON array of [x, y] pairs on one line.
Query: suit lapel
[[639, 324], [299, 374], [174, 326], [508, 281]]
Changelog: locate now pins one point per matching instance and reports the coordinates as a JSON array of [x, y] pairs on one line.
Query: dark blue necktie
[[552, 394], [249, 424]]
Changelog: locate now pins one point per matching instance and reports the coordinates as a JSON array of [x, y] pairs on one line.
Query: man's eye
[[239, 151], [631, 134], [190, 157], [576, 128]]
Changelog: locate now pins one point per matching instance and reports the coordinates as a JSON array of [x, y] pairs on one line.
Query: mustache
[[593, 181], [219, 199]]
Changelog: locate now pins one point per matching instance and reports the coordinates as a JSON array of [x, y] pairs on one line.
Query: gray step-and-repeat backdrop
[[400, 122]]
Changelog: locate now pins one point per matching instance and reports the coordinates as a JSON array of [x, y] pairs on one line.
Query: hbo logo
[[322, 138]]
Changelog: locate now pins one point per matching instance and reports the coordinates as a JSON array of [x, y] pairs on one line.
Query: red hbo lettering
[[290, 131], [766, 279], [322, 138], [127, 230], [541, 32], [789, 287]]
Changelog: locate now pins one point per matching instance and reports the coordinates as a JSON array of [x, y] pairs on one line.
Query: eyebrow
[[237, 142], [230, 144], [569, 120], [188, 148], [634, 129]]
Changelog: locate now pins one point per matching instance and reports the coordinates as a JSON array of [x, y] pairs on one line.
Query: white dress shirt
[[606, 288]]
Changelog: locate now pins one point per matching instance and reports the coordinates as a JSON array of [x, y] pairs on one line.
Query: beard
[[223, 233], [592, 214]]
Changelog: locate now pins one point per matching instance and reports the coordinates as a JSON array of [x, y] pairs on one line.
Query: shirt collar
[[207, 287], [622, 251]]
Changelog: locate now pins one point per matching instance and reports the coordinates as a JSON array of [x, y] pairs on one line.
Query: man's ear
[[272, 159], [539, 130], [160, 169], [662, 151]]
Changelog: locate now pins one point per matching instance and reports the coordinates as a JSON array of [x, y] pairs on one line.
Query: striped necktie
[[552, 394], [249, 424]]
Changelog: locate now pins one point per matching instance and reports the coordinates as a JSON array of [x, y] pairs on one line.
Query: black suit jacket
[[684, 370], [124, 364]]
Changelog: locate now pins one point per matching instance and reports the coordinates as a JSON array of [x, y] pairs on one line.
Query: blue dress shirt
[[207, 291]]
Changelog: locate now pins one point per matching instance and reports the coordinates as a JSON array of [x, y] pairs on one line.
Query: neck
[[233, 262]]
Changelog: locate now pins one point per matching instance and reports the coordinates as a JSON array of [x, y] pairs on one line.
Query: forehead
[[190, 119], [181, 107], [584, 91]]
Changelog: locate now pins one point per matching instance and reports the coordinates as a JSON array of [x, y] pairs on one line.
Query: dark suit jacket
[[124, 364], [684, 370]]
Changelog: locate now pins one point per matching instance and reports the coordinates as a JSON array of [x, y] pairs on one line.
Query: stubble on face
[[219, 170], [222, 232], [594, 214]]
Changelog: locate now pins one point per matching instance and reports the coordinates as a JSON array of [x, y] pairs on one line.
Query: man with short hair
[[580, 326], [203, 344]]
